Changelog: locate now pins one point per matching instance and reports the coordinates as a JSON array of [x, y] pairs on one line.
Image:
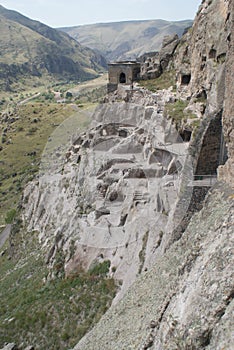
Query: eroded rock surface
[[115, 195], [122, 194], [185, 300]]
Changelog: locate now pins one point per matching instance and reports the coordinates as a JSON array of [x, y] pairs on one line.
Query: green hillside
[[31, 49]]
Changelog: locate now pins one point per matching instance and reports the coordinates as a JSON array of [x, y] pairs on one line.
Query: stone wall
[[131, 71]]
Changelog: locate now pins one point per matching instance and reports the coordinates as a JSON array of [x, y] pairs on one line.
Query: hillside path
[[4, 235]]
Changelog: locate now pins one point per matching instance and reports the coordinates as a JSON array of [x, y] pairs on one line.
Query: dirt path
[[4, 235], [29, 98]]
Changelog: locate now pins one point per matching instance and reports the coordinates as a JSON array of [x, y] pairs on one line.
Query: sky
[[62, 13]]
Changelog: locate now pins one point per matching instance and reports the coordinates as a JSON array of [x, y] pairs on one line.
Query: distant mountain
[[124, 40], [31, 49]]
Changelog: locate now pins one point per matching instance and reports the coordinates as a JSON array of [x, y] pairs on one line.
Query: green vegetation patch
[[176, 111], [100, 269], [165, 81], [51, 314]]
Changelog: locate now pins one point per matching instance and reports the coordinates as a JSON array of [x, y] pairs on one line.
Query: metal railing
[[204, 180]]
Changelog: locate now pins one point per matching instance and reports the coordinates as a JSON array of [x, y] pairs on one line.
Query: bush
[[69, 95], [165, 81], [10, 216], [175, 111], [101, 269]]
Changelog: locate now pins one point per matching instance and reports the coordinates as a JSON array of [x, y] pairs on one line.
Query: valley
[[27, 121], [33, 54]]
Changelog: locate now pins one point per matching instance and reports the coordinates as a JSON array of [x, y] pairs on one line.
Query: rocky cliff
[[190, 308], [115, 195], [206, 56], [186, 300], [227, 173], [126, 191], [203, 62]]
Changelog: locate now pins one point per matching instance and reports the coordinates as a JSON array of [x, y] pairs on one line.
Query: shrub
[[101, 269], [166, 80], [10, 216]]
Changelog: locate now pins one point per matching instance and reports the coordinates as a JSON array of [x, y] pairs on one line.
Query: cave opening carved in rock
[[213, 150]]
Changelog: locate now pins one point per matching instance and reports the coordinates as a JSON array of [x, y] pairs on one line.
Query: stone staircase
[[140, 196]]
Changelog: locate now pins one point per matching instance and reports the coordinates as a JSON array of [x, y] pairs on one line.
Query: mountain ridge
[[32, 49], [126, 39]]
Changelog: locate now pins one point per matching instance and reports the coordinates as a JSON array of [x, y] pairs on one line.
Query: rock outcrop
[[150, 66], [185, 301], [155, 64], [115, 193], [204, 65], [227, 172], [203, 62]]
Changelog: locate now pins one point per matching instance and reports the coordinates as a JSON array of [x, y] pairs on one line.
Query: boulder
[[10, 346]]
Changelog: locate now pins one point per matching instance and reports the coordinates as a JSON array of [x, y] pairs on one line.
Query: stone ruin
[[148, 66], [123, 72]]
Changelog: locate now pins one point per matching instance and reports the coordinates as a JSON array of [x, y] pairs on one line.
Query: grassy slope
[[165, 81], [49, 314], [32, 50], [52, 314], [18, 43], [27, 136], [20, 158]]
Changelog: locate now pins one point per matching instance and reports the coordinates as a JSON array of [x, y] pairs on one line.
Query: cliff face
[[205, 57], [203, 62], [115, 195], [124, 192], [204, 52], [185, 301], [227, 172]]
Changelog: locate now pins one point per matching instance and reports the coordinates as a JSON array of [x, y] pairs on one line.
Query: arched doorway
[[122, 78]]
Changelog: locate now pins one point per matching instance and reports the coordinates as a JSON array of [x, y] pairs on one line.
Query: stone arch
[[122, 78]]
